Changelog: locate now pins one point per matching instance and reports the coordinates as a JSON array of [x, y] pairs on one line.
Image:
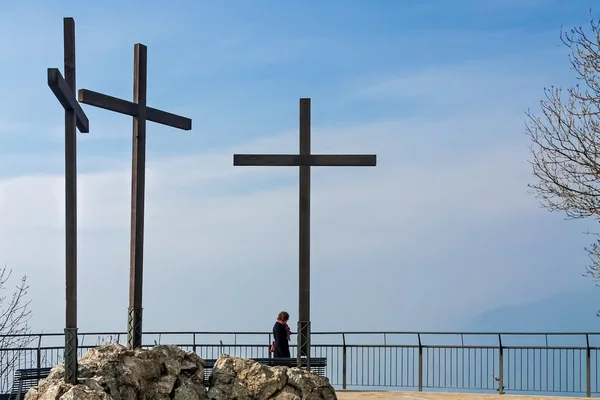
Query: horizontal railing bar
[[475, 333], [334, 346], [454, 366]]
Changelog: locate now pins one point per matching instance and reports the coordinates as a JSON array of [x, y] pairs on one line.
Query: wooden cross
[[304, 160], [75, 118], [140, 113]]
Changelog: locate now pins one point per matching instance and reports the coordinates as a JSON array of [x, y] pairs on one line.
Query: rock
[[311, 386], [235, 378], [288, 393], [113, 372]]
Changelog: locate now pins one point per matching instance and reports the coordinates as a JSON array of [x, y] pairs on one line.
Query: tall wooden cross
[[140, 113], [75, 118], [304, 160]]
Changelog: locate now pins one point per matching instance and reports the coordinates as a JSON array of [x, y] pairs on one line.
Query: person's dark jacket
[[282, 345]]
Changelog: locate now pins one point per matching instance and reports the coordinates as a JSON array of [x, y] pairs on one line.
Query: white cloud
[[511, 81], [442, 229], [223, 239]]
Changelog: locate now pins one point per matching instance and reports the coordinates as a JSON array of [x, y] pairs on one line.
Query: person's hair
[[284, 316]]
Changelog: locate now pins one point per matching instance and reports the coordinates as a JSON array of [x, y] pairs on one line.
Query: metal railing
[[525, 363]]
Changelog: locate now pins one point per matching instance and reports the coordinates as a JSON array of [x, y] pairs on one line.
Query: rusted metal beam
[[70, 208], [66, 97], [121, 106], [138, 184], [304, 239], [75, 118], [140, 113], [313, 160], [304, 160]]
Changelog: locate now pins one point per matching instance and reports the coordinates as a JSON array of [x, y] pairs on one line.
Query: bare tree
[[104, 340], [565, 138], [14, 323]]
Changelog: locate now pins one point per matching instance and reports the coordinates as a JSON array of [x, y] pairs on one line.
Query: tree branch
[[565, 138], [15, 333]]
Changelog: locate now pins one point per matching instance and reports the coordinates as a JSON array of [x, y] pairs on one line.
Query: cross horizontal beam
[[129, 108], [313, 160], [66, 97]]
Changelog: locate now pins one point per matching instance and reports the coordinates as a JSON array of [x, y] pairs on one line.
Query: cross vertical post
[[75, 118], [140, 113], [304, 239], [304, 160], [70, 209], [138, 183]]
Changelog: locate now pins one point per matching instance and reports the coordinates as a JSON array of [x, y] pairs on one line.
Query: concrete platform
[[358, 395]]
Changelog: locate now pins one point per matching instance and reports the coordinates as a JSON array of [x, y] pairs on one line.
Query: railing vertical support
[[500, 365], [420, 363], [588, 367], [269, 347], [194, 343], [384, 359], [39, 352], [344, 350]]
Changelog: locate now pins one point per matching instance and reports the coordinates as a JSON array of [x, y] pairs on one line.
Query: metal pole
[[39, 352], [344, 356], [270, 355], [500, 366], [420, 363], [304, 237], [70, 352], [134, 328], [588, 367]]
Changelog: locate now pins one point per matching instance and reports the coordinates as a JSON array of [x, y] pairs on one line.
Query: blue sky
[[440, 234]]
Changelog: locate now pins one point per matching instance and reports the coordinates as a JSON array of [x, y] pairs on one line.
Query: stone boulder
[[241, 379], [113, 372]]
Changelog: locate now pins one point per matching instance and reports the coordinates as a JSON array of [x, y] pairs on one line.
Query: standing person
[[281, 333]]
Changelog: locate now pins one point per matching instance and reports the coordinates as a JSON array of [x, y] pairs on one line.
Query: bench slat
[[25, 379]]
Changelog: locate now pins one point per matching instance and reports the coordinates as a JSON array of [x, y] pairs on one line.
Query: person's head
[[283, 316]]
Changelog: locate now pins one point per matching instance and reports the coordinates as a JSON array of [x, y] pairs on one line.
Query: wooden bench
[[25, 379], [317, 365]]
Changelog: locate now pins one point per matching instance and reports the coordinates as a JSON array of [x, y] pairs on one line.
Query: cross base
[[304, 343], [70, 355], [134, 328]]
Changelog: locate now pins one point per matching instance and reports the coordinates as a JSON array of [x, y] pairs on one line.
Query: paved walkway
[[357, 395]]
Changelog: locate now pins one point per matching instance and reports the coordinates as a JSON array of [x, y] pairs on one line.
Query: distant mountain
[[568, 311]]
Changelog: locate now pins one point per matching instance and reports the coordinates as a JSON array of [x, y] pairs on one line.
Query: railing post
[[194, 343], [384, 359], [588, 367], [344, 361], [39, 352], [270, 355], [420, 363], [500, 366]]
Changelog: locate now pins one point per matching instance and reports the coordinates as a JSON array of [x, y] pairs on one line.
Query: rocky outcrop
[[113, 372], [240, 379]]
